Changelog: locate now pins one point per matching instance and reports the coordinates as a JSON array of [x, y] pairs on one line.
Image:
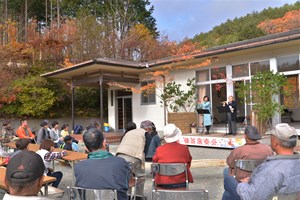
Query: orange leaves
[[8, 99], [143, 46], [126, 87], [290, 21], [149, 87], [204, 63], [158, 73], [67, 62]]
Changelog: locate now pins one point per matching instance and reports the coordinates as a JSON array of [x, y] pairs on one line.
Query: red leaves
[[290, 21]]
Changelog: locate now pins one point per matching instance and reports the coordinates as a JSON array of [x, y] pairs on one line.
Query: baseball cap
[[283, 131], [252, 133], [24, 167], [44, 123], [171, 133]]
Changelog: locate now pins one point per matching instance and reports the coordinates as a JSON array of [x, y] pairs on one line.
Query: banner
[[221, 142]]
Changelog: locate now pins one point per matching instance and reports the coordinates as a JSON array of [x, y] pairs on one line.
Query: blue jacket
[[155, 142], [107, 173], [279, 174], [206, 117]]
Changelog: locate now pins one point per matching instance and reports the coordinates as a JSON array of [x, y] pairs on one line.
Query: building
[[232, 63]]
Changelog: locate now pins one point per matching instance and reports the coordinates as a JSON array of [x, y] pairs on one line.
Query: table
[[72, 157], [31, 147], [46, 181]]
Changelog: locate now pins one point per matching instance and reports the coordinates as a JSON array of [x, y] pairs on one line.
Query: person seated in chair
[[7, 132], [252, 150], [69, 144], [279, 174], [173, 152], [24, 131], [47, 154], [101, 170], [24, 177], [21, 145], [44, 132]]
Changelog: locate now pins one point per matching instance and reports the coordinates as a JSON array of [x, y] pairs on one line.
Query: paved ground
[[209, 178]]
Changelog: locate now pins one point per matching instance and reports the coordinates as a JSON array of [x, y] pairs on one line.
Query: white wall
[[112, 109], [153, 112], [181, 77]]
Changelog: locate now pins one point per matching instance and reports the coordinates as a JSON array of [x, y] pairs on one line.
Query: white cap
[[283, 131], [171, 133]]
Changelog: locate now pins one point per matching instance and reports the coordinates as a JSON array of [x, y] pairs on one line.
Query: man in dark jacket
[[231, 109], [101, 170]]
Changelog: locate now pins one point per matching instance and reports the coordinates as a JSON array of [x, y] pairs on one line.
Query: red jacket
[[21, 133], [173, 153]]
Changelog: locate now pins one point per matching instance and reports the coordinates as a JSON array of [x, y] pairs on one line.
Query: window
[[288, 63], [291, 100], [203, 76], [241, 70], [218, 73], [148, 96], [261, 66]]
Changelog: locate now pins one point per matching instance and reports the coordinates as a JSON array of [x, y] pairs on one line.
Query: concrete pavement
[[205, 175]]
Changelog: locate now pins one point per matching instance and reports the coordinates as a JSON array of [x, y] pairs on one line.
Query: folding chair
[[200, 194], [246, 165], [168, 169], [52, 192], [79, 193], [134, 181]]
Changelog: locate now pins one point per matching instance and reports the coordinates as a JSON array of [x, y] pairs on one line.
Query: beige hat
[[171, 133], [283, 131]]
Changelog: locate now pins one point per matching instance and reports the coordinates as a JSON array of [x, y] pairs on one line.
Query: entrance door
[[124, 111], [243, 109], [219, 94]]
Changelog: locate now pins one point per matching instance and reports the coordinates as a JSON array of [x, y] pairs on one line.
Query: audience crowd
[[277, 172]]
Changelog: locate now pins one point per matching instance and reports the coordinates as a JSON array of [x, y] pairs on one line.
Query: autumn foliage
[[290, 21]]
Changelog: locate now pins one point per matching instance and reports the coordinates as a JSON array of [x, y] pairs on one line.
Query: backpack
[[78, 129]]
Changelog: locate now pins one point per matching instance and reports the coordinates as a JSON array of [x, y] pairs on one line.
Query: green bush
[[33, 98]]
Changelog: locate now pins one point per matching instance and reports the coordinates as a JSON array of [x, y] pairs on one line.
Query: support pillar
[[101, 99], [72, 90]]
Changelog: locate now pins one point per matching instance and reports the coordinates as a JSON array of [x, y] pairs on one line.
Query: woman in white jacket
[[47, 154]]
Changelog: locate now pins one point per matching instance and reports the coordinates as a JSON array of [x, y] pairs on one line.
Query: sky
[[186, 18]]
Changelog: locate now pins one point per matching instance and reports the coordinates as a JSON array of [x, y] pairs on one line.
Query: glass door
[[124, 112], [243, 109], [219, 94]]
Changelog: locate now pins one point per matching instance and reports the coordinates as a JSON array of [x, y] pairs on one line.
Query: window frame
[[147, 95]]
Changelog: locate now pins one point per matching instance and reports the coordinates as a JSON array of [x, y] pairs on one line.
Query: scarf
[[100, 155]]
